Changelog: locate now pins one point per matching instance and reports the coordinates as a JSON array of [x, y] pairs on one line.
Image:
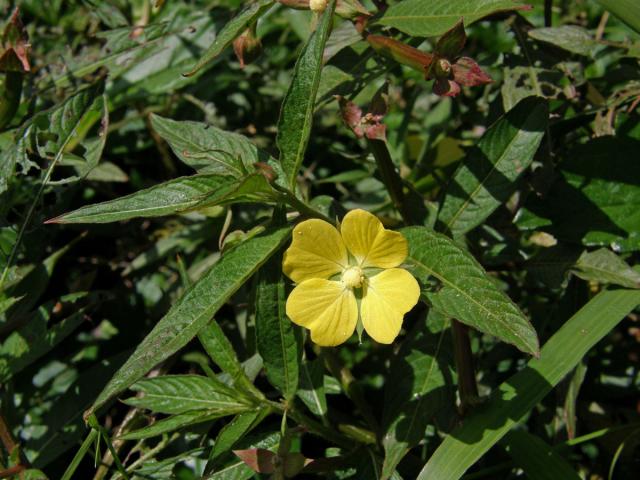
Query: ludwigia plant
[[319, 239]]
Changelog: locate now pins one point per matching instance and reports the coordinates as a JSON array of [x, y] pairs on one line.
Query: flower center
[[353, 277]]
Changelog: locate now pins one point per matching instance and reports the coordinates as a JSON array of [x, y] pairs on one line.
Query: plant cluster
[[319, 239]]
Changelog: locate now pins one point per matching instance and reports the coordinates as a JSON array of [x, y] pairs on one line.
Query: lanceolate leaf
[[209, 149], [422, 380], [194, 309], [604, 266], [463, 290], [174, 422], [233, 432], [174, 196], [486, 176], [182, 393], [296, 116], [311, 388], [237, 469], [515, 397], [276, 338], [429, 18], [231, 30]]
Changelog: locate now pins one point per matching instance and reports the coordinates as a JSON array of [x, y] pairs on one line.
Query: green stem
[[288, 197], [71, 469]]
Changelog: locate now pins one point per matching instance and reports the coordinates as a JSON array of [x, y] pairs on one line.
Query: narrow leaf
[[233, 432], [604, 266], [311, 387], [237, 469], [464, 291], [183, 393], [486, 177], [174, 422], [194, 309], [276, 338], [219, 348], [175, 196], [294, 125], [519, 394], [429, 18], [536, 458], [230, 31]]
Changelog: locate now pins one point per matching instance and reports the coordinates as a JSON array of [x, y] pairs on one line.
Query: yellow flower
[[346, 276]]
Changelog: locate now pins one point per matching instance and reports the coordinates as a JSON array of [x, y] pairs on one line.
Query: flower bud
[[318, 6], [247, 47], [401, 52]]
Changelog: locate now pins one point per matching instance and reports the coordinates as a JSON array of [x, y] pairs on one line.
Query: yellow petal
[[369, 242], [387, 297], [316, 251], [326, 308]]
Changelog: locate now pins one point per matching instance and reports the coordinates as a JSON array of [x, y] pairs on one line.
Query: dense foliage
[[155, 157]]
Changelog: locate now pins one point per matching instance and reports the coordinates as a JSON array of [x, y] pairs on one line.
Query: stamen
[[353, 277]]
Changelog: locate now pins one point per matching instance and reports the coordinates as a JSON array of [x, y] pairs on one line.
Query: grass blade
[[515, 397]]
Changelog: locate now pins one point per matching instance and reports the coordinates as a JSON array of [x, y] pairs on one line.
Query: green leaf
[[571, 398], [195, 309], [120, 44], [219, 348], [232, 433], [311, 387], [175, 196], [604, 266], [54, 133], [174, 422], [108, 13], [422, 385], [57, 131], [231, 30], [593, 201], [27, 344], [33, 282], [429, 18], [237, 469], [182, 393], [464, 291], [626, 10], [208, 149], [294, 125], [568, 37], [277, 340], [536, 458], [519, 394], [486, 178], [63, 421]]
